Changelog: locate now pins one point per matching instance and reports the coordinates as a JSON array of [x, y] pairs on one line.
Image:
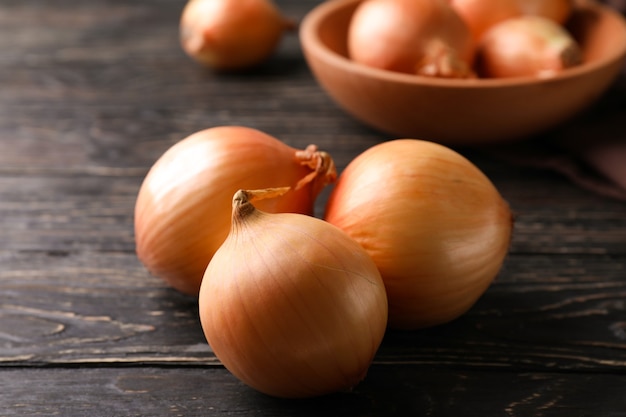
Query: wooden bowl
[[462, 111]]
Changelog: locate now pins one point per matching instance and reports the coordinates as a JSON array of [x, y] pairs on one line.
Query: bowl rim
[[311, 43]]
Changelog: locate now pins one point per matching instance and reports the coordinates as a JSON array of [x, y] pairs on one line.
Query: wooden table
[[92, 92]]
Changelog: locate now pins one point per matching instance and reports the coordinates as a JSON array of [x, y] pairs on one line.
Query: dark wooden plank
[[543, 312], [67, 213], [93, 92], [106, 85], [66, 307], [386, 391], [94, 211]]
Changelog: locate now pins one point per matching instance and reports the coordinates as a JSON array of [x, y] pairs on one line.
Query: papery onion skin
[[435, 225], [423, 37], [183, 208], [527, 46], [231, 34], [291, 305]]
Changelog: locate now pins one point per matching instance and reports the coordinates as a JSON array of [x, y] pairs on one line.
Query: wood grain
[[389, 391], [93, 92], [90, 307]]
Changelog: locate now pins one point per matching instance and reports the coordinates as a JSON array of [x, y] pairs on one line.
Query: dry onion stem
[[290, 304], [182, 213]]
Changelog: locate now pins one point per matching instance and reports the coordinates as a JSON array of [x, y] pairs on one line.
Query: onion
[[231, 34], [480, 15], [433, 223], [527, 46], [290, 304], [182, 213], [556, 10], [424, 37]]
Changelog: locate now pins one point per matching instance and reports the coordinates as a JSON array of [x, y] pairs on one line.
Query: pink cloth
[[590, 150], [599, 166]]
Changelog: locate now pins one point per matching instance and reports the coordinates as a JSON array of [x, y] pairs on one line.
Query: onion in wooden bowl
[[463, 111]]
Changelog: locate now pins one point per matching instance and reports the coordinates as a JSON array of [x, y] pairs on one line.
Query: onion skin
[[291, 305], [436, 227], [183, 208], [231, 35], [480, 15], [423, 37], [527, 46], [557, 10]]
